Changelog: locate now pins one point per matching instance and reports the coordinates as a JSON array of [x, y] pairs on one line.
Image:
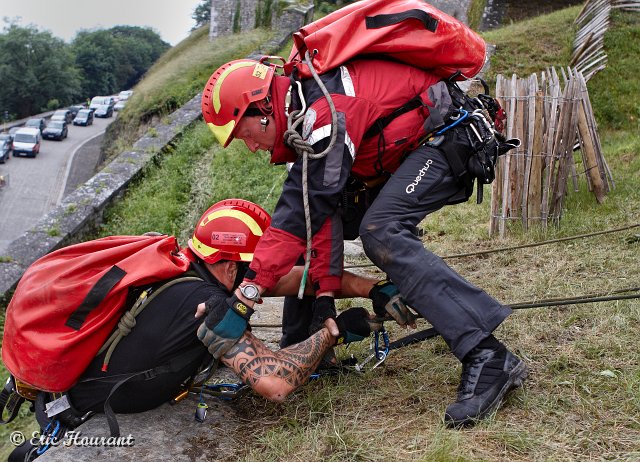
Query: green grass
[[531, 46]]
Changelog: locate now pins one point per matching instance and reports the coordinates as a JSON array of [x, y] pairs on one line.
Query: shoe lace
[[478, 379], [466, 383]]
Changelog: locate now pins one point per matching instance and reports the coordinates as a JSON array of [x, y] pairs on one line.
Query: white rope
[[293, 139]]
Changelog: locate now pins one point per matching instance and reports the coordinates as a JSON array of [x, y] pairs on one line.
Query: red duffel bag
[[409, 31], [68, 302]]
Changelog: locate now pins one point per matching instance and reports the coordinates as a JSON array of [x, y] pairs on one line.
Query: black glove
[[353, 325], [227, 320], [323, 308], [386, 299]]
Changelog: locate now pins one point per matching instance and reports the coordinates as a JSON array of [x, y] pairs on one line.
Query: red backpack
[[409, 31], [69, 301]]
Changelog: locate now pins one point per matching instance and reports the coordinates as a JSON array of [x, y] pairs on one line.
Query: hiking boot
[[488, 374]]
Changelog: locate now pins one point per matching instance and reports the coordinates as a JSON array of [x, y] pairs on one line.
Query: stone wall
[[286, 14]]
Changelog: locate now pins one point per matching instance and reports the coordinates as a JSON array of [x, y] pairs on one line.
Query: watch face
[[251, 292]]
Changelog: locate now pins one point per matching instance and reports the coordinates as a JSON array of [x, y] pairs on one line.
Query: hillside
[[582, 400]]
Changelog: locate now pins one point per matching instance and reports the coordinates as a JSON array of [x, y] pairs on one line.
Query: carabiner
[[463, 116], [49, 438], [226, 391], [376, 353]]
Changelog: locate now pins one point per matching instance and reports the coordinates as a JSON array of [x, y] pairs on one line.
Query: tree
[[35, 68], [115, 59], [202, 14]]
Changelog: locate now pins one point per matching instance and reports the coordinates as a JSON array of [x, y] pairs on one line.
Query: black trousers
[[461, 312]]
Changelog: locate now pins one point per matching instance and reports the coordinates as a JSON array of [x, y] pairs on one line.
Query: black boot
[[488, 374]]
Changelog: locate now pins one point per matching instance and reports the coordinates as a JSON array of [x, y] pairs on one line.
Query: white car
[[125, 95], [120, 105]]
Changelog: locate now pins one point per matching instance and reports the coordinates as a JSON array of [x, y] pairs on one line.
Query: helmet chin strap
[[242, 268]]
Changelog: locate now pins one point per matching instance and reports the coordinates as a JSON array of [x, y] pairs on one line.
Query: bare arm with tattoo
[[275, 374]]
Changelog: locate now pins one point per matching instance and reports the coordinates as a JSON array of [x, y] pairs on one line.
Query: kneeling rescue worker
[[250, 101], [163, 351]]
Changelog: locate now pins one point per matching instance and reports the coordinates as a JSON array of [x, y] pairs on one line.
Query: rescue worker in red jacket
[[248, 100]]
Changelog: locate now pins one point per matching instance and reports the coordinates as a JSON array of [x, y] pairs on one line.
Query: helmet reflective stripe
[[215, 94], [246, 219], [204, 249], [207, 251]]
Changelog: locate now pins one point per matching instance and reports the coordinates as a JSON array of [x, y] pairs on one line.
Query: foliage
[[324, 7], [163, 192], [201, 14], [264, 13], [26, 55], [52, 105], [36, 69], [236, 20], [115, 58], [615, 90]]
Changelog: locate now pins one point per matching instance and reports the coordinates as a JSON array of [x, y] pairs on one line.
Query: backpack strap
[[10, 401], [382, 122], [128, 319], [175, 364], [384, 20], [95, 296]]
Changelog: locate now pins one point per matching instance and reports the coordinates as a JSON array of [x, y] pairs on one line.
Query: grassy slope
[[174, 79], [569, 409]]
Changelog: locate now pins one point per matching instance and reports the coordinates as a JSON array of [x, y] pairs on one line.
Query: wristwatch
[[250, 292]]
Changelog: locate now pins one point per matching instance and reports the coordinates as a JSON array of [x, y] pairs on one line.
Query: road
[[36, 185]]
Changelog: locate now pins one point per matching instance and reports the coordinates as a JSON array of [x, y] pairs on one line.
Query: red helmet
[[229, 230], [229, 92]]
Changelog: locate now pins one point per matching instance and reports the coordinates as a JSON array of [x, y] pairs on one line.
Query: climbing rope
[[293, 139], [128, 319], [577, 300], [522, 246]]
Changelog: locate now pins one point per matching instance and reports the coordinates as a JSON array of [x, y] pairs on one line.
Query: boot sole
[[517, 377]]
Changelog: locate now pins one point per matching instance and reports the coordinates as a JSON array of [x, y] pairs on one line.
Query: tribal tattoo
[[253, 361]]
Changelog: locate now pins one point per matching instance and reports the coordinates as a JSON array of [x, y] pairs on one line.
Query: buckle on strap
[[26, 391]]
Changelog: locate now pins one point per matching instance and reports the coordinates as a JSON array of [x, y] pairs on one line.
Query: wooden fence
[[548, 113], [588, 46]]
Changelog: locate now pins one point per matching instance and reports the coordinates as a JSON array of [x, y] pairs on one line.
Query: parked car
[[56, 130], [75, 108], [5, 150], [63, 114], [125, 95], [120, 105], [38, 123], [84, 117], [100, 101], [104, 111], [7, 136], [27, 141]]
